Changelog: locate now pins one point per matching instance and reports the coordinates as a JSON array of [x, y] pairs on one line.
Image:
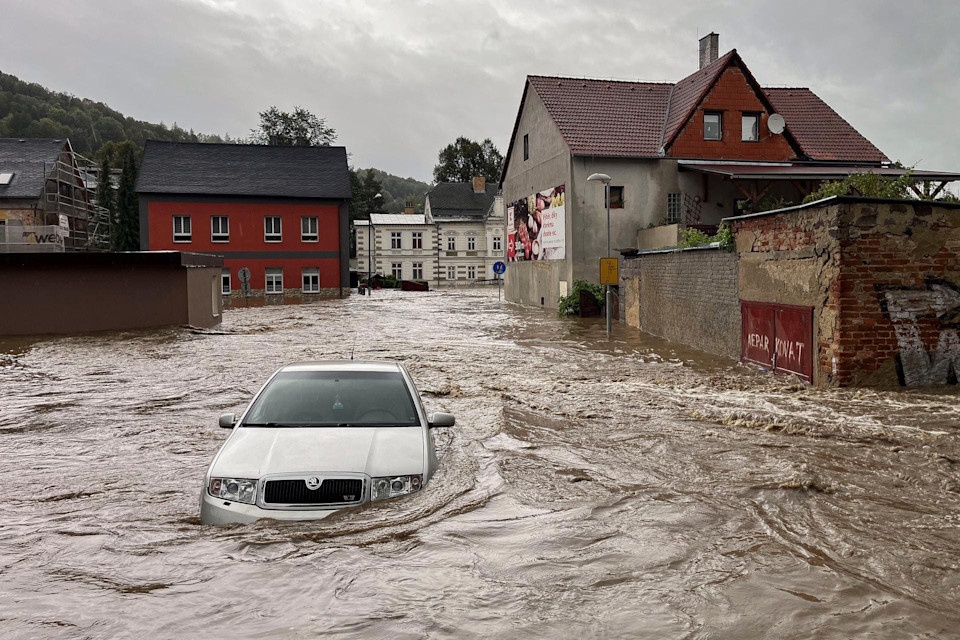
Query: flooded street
[[591, 488]]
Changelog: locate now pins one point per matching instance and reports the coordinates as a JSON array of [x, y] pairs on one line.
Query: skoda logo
[[313, 483]]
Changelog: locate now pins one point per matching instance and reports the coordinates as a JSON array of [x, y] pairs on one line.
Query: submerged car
[[319, 437]]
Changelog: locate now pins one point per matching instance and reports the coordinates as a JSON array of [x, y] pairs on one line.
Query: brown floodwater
[[591, 488]]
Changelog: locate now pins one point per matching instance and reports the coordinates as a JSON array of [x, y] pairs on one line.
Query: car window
[[332, 398]]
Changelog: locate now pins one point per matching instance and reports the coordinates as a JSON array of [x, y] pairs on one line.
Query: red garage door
[[778, 336]]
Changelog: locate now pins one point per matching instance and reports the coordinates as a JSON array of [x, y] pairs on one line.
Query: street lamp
[[605, 179], [376, 199]]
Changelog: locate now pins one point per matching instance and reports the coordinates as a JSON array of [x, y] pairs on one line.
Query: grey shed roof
[[244, 170], [458, 201], [30, 160]]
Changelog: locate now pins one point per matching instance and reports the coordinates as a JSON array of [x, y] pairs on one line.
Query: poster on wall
[[535, 227]]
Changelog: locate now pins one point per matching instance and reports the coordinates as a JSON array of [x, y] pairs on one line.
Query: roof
[[820, 130], [30, 160], [244, 170], [636, 119], [458, 201], [394, 219], [808, 171], [605, 117], [342, 365]]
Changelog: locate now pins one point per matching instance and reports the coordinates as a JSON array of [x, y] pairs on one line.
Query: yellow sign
[[609, 271]]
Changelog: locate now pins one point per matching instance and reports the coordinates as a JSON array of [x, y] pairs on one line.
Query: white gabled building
[[456, 241]]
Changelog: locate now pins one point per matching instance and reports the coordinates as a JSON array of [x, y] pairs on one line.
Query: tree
[[126, 222], [464, 159], [298, 129], [365, 187]]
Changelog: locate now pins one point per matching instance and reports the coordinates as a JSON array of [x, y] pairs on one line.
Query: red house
[[281, 212]]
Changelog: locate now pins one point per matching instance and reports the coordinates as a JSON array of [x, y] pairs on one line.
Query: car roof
[[342, 365]]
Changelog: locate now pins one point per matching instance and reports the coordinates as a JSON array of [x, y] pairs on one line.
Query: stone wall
[[688, 296]]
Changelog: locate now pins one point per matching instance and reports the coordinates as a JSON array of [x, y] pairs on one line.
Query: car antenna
[[354, 347]]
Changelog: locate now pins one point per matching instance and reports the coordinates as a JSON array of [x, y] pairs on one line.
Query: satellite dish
[[775, 123]]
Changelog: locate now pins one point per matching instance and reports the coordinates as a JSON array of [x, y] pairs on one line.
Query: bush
[[696, 238], [870, 185], [569, 305]]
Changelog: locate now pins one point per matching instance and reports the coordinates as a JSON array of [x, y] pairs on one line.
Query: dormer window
[[712, 125], [5, 178], [750, 127]]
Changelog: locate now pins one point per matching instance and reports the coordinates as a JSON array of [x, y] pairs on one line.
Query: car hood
[[253, 452]]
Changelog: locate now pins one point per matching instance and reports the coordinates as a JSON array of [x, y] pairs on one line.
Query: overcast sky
[[399, 80]]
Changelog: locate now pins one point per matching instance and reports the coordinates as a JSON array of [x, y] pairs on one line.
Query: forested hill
[[396, 191], [28, 110]]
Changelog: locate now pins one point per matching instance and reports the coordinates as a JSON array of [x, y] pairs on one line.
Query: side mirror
[[227, 420], [441, 420]]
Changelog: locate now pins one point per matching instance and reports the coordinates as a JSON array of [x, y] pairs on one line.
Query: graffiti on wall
[[910, 309]]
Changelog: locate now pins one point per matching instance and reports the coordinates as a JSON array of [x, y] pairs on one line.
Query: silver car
[[319, 437]]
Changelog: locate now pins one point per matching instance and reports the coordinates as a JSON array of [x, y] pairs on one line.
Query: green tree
[[126, 223], [365, 187], [297, 129], [871, 185], [464, 159]]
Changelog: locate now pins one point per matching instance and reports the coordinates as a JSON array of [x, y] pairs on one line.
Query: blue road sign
[[499, 267]]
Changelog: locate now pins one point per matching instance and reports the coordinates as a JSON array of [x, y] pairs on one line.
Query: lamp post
[[605, 179], [376, 199]]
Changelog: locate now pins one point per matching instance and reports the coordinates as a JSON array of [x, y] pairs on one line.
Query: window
[[749, 123], [418, 271], [674, 207], [5, 178], [451, 243], [451, 273], [472, 273], [496, 243], [274, 280], [271, 229], [471, 244], [526, 146], [219, 229], [181, 229], [311, 278], [417, 240], [225, 281], [616, 197], [397, 269], [712, 125], [308, 229], [395, 240]]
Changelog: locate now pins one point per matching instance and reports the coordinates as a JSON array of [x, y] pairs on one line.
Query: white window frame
[[451, 243], [186, 229], [223, 233], [417, 240], [396, 269], [270, 234], [497, 243], [271, 286], [309, 229], [396, 240], [417, 273], [753, 133], [310, 279], [674, 208], [719, 125], [471, 243], [471, 272], [451, 273], [225, 280]]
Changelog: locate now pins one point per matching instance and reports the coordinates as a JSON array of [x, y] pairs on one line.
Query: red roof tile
[[819, 130], [632, 119], [606, 117]]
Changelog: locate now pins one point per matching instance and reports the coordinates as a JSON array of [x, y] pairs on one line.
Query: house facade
[[279, 211], [713, 145], [456, 241], [45, 202]]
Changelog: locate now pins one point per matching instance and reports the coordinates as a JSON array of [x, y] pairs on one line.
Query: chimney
[[408, 207], [709, 49], [479, 184]]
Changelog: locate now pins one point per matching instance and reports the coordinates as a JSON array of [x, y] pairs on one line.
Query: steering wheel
[[377, 415]]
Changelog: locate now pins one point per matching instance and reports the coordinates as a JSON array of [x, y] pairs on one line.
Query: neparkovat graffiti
[[907, 308]]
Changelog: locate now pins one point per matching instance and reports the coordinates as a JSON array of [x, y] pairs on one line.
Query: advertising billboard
[[536, 227]]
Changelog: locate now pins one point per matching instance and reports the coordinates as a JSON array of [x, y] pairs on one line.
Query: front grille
[[295, 491]]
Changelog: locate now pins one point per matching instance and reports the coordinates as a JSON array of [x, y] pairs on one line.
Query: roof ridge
[[589, 79], [242, 144]]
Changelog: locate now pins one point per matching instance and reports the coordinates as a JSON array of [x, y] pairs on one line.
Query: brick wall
[[689, 297], [733, 96]]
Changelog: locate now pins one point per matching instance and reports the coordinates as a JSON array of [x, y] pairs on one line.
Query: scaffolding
[[69, 201]]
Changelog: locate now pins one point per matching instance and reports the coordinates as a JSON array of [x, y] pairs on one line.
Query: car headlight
[[395, 486], [235, 489]]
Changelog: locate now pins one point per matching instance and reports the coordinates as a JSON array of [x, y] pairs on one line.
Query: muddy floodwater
[[591, 489]]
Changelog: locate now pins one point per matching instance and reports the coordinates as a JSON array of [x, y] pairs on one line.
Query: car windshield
[[334, 399]]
